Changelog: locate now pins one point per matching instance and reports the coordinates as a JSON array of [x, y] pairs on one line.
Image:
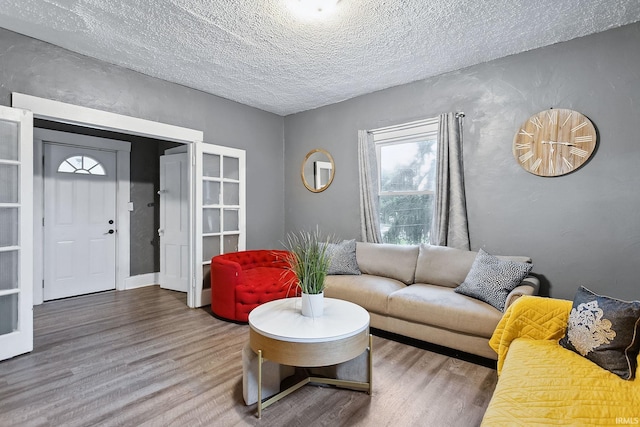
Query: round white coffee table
[[280, 333]]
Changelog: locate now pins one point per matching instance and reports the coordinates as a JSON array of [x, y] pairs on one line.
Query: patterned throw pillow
[[491, 279], [343, 258], [604, 330]]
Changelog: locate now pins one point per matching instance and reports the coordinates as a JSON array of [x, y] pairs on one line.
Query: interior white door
[[174, 222], [79, 221], [16, 232]]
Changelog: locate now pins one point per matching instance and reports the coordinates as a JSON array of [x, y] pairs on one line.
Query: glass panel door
[[219, 217], [16, 232]]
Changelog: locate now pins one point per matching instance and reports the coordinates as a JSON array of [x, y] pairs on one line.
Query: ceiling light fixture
[[314, 7]]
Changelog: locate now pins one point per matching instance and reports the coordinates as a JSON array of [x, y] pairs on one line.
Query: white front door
[[16, 232], [79, 221], [174, 222]]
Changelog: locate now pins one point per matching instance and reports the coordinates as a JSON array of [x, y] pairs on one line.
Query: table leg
[[370, 364], [259, 384]]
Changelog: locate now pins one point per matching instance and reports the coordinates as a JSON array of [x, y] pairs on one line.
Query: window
[[407, 157], [81, 164]]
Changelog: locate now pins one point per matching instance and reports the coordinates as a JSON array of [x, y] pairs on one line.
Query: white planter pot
[[312, 304]]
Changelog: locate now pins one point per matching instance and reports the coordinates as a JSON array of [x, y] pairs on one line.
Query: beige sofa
[[409, 290]]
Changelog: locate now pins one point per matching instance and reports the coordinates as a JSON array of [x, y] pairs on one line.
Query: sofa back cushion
[[387, 260], [445, 266]]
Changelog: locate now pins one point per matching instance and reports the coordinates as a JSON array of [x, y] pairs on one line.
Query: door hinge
[[42, 283]]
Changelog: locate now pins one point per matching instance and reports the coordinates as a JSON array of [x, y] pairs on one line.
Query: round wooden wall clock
[[554, 142]]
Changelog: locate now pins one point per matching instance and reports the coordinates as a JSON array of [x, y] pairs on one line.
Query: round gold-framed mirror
[[318, 170]]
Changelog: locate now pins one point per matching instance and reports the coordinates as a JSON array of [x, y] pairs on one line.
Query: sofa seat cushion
[[369, 292], [440, 306], [543, 383]]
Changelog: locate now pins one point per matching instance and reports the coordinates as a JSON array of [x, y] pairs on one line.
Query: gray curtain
[[449, 226], [368, 167]]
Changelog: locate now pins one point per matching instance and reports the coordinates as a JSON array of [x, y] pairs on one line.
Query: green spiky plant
[[308, 260]]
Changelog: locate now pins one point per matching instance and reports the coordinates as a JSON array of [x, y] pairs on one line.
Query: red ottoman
[[241, 281]]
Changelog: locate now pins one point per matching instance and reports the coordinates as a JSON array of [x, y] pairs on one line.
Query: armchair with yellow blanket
[[541, 382]]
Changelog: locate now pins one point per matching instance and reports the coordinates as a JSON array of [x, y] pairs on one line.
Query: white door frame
[[47, 109], [123, 193]]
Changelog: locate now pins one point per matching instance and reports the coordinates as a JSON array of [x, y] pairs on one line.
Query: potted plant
[[309, 260]]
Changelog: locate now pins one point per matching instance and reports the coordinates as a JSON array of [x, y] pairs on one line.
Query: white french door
[[80, 215], [16, 232], [219, 210]]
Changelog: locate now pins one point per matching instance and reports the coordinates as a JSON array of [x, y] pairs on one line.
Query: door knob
[[110, 231], [160, 232]]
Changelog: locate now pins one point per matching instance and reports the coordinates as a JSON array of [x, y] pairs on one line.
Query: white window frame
[[418, 130]]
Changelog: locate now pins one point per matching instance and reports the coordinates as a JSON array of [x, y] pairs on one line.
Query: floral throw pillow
[[605, 331]]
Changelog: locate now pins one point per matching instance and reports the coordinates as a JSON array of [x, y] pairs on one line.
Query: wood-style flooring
[[142, 358]]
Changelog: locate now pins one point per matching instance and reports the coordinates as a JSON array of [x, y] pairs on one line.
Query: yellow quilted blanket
[[541, 383], [530, 317]]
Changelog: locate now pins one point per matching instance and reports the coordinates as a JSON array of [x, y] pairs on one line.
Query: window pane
[[9, 227], [66, 167], [8, 313], [211, 221], [82, 165], [88, 162], [9, 270], [406, 220], [231, 167], [210, 193], [210, 247], [409, 166], [231, 220], [97, 170], [8, 140], [231, 243], [211, 165], [231, 193], [9, 187]]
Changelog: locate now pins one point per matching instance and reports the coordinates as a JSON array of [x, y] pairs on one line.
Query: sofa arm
[[529, 286], [225, 277], [530, 317]]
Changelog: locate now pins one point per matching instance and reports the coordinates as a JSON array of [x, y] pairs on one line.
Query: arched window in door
[[81, 164]]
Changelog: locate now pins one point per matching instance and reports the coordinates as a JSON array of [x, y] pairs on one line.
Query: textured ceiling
[[264, 54]]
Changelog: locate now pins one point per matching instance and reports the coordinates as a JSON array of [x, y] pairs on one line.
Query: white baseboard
[[142, 280]]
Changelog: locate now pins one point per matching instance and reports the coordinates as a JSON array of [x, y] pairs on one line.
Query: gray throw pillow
[[491, 279], [604, 330], [342, 258]]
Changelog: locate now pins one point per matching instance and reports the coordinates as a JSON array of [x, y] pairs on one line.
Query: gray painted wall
[[41, 69], [580, 229]]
